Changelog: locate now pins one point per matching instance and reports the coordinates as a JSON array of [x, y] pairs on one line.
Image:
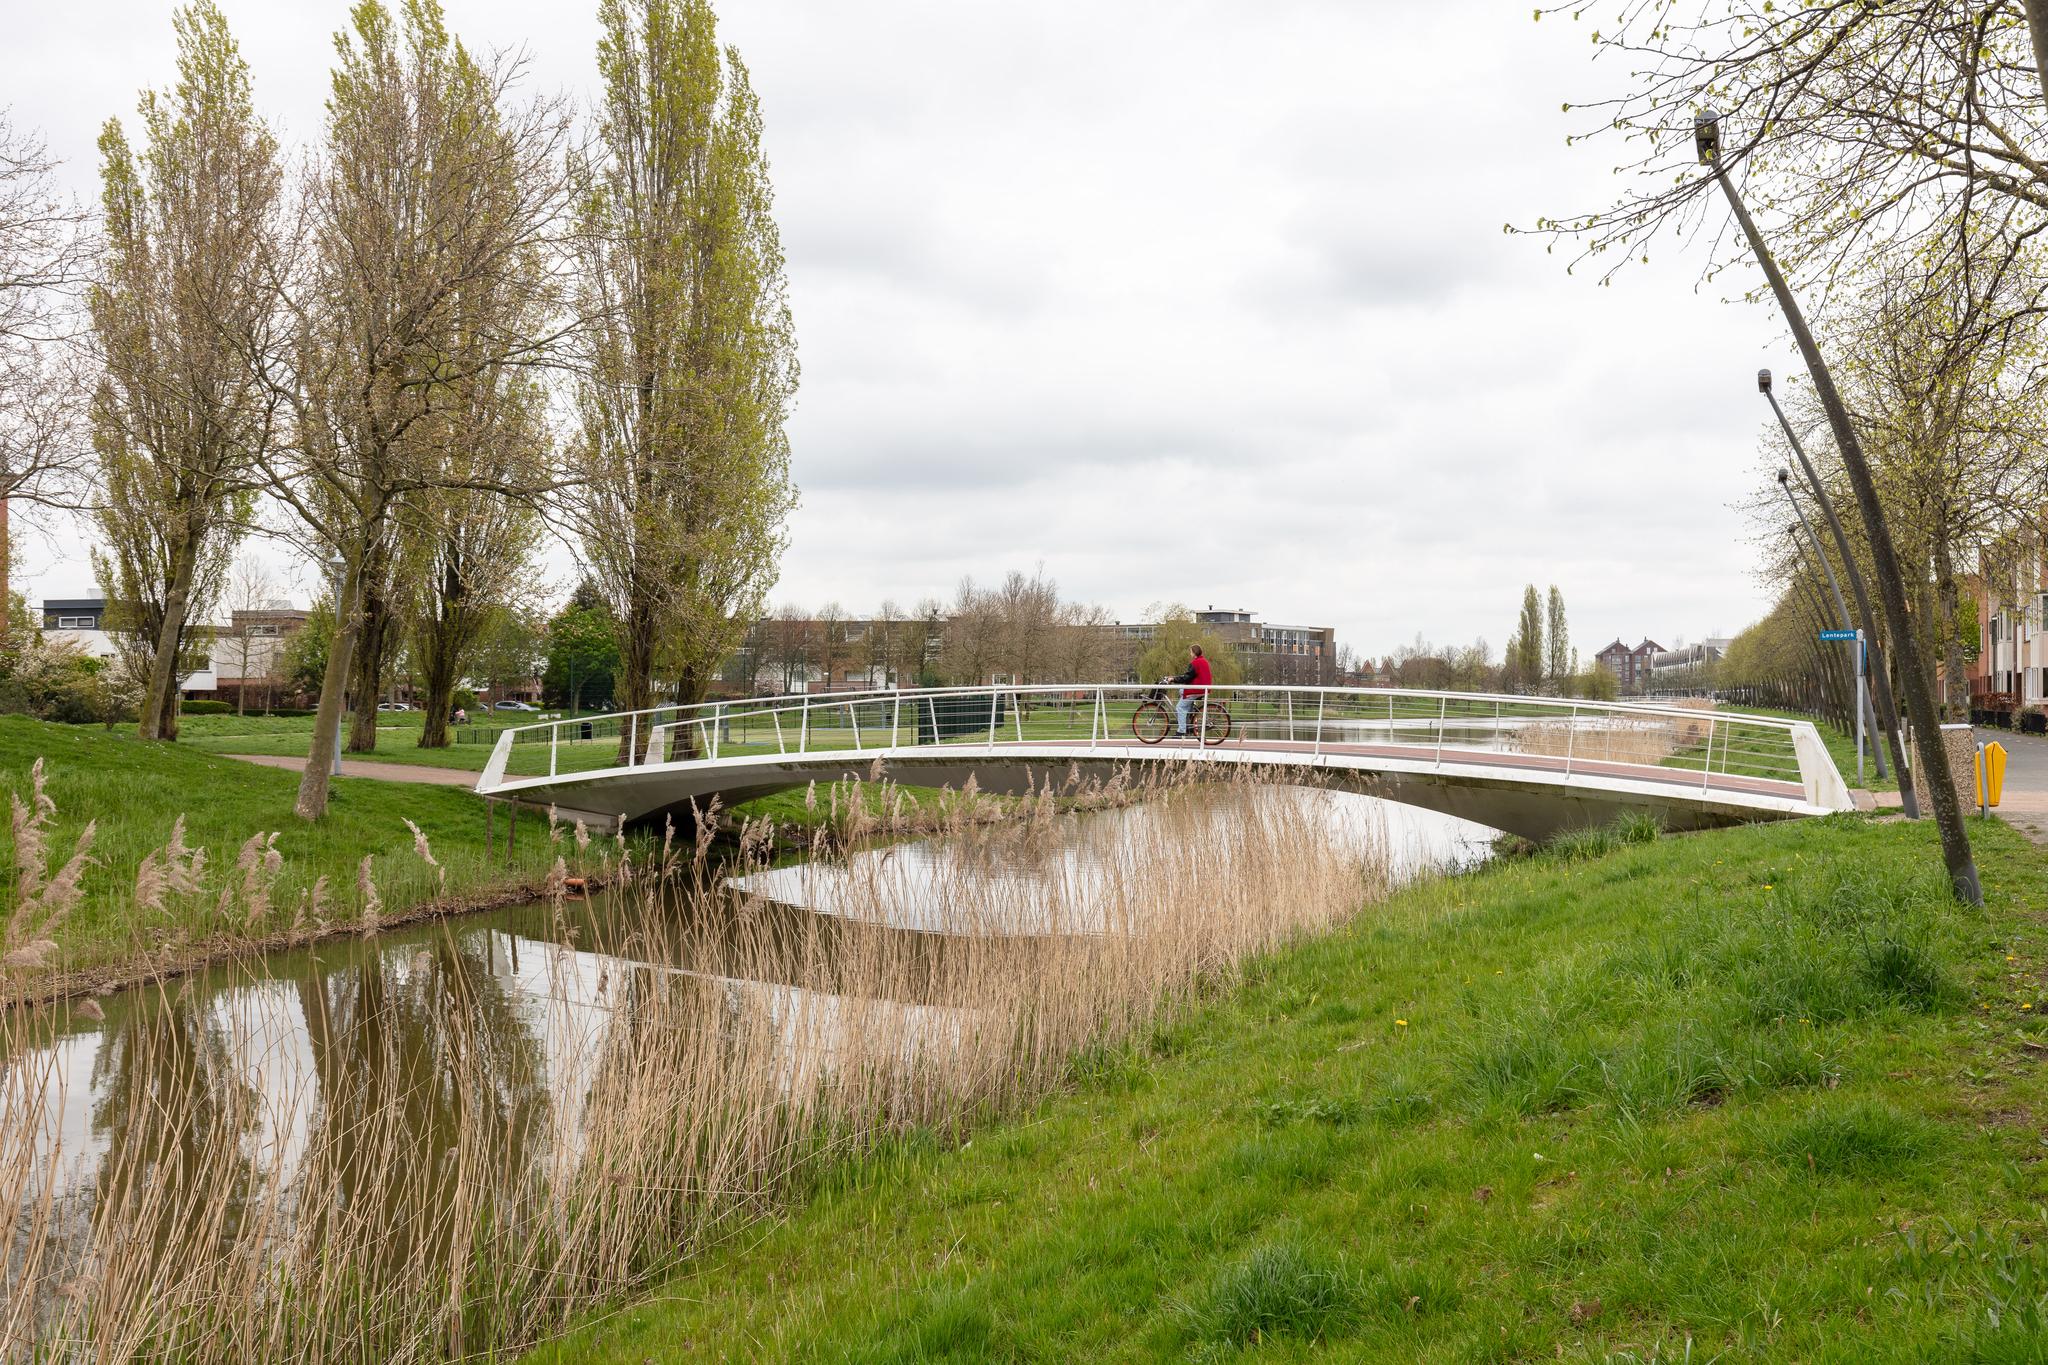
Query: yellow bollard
[[1990, 773]]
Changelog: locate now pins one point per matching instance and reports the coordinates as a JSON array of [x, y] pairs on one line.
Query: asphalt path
[[387, 772]]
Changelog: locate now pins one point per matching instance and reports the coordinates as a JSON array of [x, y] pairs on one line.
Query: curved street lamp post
[[1859, 673], [1932, 758]]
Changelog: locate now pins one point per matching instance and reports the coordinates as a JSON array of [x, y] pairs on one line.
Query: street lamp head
[[1783, 477], [1706, 136], [1763, 381]]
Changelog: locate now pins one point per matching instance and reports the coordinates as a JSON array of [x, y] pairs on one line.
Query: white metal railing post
[[1098, 724], [1707, 768], [993, 697], [775, 715], [896, 721], [1017, 714], [1571, 738], [633, 739], [1498, 745], [1322, 697], [1443, 709], [853, 720], [554, 744], [803, 728], [1290, 716], [1202, 723], [717, 727]]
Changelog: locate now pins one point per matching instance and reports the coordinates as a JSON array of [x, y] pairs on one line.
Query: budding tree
[[689, 355], [429, 217], [181, 301]]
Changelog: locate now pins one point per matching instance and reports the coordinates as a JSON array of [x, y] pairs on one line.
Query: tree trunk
[[312, 803], [368, 686], [159, 705], [636, 671], [1949, 598]]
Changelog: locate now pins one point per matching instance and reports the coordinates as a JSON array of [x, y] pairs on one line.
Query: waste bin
[[943, 718]]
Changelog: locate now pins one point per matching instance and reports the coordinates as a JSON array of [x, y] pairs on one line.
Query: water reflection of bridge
[[1529, 765]]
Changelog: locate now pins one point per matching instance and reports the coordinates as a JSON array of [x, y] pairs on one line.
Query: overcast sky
[[1186, 301]]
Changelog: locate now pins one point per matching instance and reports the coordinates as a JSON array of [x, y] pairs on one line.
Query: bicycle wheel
[[1151, 722], [1215, 723]]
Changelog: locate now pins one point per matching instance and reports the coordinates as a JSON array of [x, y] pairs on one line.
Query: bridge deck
[[1531, 765], [1545, 763]]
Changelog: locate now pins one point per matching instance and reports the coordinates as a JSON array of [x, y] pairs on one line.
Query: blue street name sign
[[1838, 635]]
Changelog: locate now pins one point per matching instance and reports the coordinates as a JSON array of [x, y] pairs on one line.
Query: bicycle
[[1154, 719]]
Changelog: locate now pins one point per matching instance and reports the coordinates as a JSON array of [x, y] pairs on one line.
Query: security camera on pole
[[1891, 585]]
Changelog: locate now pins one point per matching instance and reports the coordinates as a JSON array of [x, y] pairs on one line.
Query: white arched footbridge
[[1530, 765]]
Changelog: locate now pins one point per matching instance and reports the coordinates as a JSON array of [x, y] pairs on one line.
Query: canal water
[[272, 1047]]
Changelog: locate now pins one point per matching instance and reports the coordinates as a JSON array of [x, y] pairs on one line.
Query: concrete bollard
[[1959, 744]]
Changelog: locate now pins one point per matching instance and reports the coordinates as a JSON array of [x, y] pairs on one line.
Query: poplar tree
[[689, 365], [431, 214], [181, 299], [1557, 640], [1525, 651]]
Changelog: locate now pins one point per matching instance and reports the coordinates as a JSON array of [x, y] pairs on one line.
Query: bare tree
[[430, 216], [42, 259], [793, 646], [472, 547], [973, 639], [250, 589]]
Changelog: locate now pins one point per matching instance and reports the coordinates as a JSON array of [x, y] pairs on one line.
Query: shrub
[[204, 708]]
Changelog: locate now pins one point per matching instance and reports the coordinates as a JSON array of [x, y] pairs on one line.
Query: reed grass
[[1646, 741], [471, 1193]]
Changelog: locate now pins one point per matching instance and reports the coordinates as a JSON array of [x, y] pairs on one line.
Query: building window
[[76, 623], [255, 631]]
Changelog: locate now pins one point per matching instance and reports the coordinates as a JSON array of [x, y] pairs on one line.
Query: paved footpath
[[388, 772], [2023, 802]]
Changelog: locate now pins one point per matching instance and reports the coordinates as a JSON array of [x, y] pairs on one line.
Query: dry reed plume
[[468, 1187]]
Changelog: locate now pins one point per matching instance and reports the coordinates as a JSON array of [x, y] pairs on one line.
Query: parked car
[[510, 705], [393, 706]]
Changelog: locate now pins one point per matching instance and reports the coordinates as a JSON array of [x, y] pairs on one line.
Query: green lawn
[[1842, 748], [135, 791], [1759, 1094]]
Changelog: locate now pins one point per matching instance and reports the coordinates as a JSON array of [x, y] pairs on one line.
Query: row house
[[243, 658], [1630, 667], [2012, 628]]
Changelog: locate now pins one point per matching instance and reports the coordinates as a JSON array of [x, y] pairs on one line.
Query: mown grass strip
[[1765, 1093]]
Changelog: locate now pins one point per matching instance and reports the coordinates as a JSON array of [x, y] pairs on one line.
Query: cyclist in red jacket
[[1194, 685]]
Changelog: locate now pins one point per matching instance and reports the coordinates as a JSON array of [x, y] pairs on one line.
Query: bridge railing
[[1726, 749]]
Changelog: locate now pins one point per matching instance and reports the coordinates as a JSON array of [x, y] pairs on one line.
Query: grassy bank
[[1763, 1093], [134, 794]]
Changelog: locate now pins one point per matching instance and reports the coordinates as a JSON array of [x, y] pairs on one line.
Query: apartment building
[[1630, 667]]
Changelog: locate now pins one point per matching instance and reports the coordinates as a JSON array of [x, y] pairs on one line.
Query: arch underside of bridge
[[1534, 801]]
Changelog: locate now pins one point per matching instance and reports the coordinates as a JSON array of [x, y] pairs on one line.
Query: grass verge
[[1764, 1093], [134, 793]]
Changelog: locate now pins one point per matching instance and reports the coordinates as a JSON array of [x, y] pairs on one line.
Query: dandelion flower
[[1403, 1023]]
